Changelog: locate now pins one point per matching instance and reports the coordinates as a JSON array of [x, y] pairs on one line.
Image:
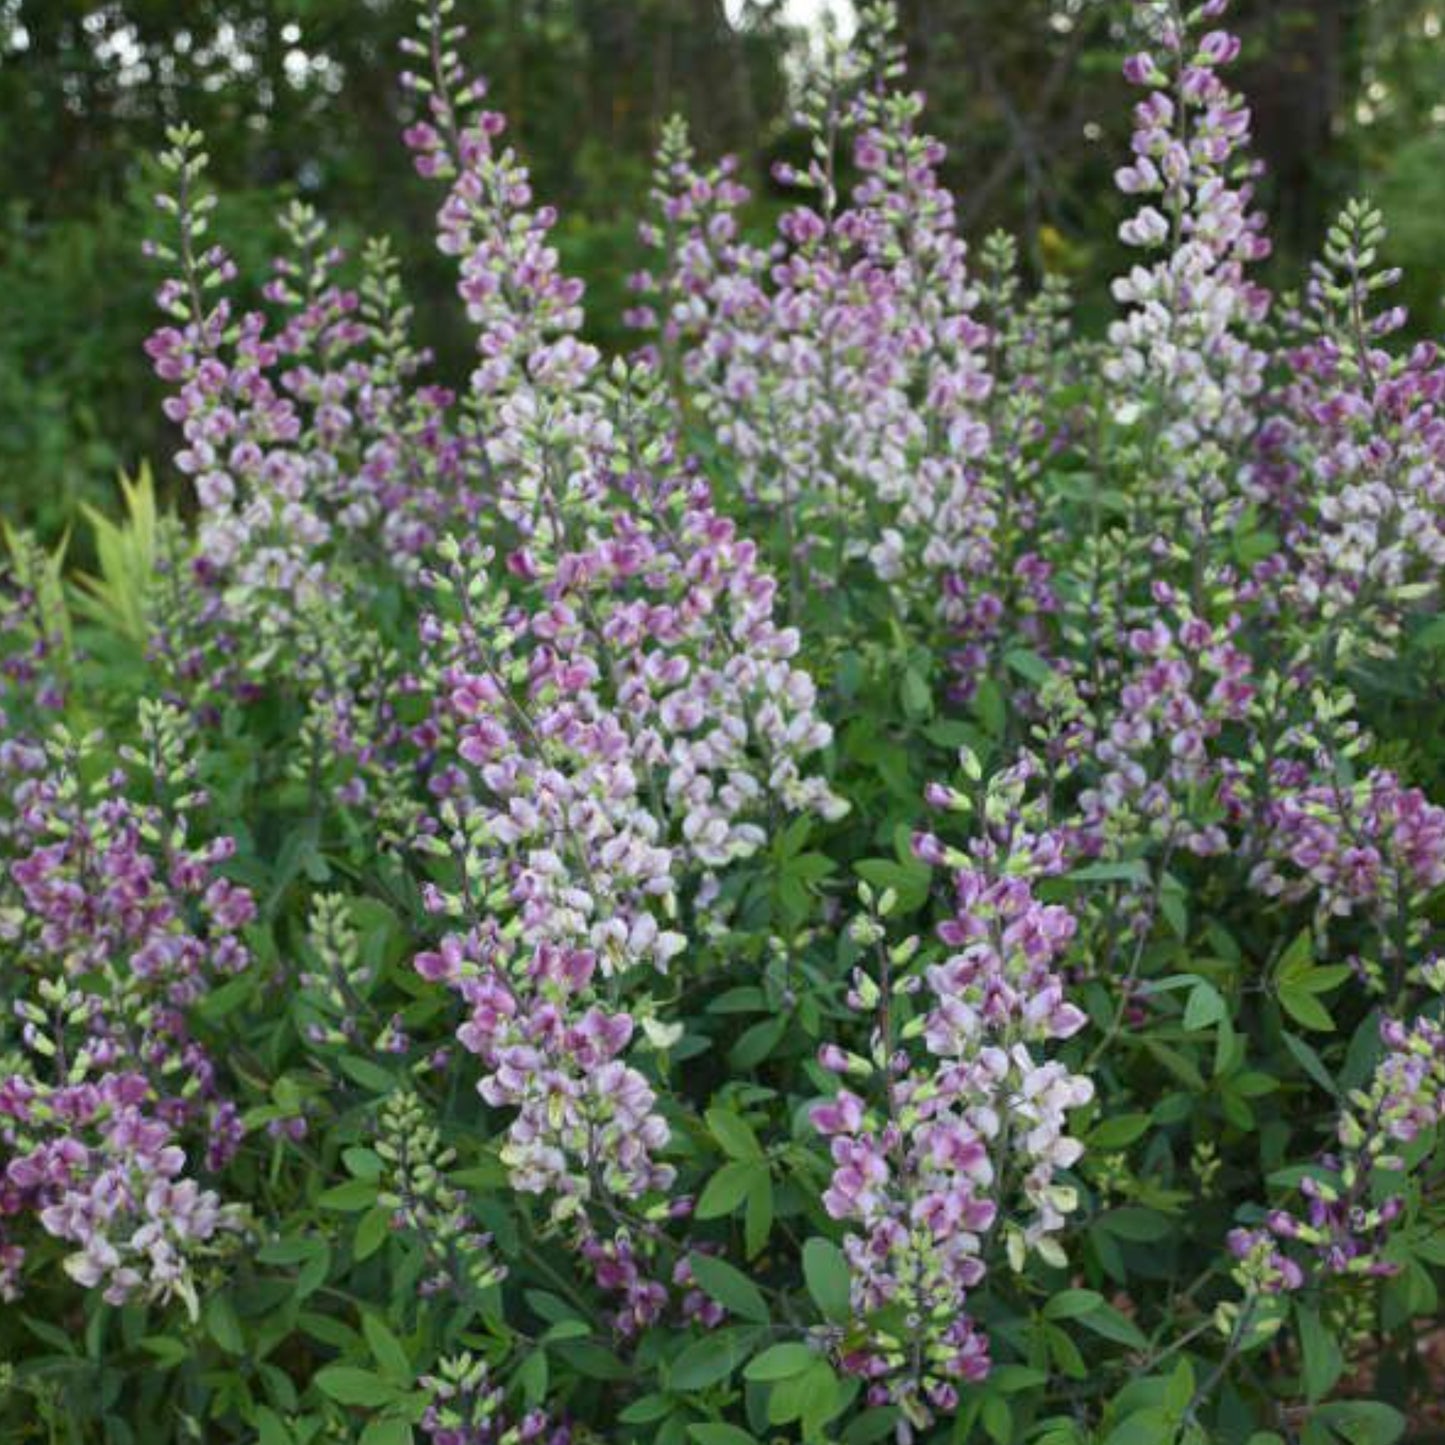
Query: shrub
[[865, 870]]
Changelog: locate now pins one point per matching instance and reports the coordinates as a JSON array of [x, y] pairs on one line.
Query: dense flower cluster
[[114, 925], [618, 715], [319, 460], [1186, 338], [424, 1203], [1354, 454], [32, 658], [845, 369], [967, 1140], [1355, 1194], [32, 643], [1156, 732], [1374, 846], [468, 1408], [114, 1189]]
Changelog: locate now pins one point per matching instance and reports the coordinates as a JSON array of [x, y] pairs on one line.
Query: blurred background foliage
[[299, 97]]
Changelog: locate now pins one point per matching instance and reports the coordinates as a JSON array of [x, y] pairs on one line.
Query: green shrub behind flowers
[[866, 870]]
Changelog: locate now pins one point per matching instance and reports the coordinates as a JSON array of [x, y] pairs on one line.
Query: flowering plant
[[866, 870]]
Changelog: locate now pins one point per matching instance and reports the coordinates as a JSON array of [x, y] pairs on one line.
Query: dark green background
[[299, 96]]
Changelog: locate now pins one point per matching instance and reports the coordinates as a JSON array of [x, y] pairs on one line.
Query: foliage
[[866, 869]]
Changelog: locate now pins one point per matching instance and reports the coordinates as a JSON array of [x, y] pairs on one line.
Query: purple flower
[[124, 926], [919, 1176]]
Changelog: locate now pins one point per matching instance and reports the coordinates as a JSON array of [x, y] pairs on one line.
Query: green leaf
[[1324, 1362], [593, 1360], [916, 696], [291, 1251], [1147, 1427], [1069, 1304], [709, 1360], [220, 1002], [910, 881], [1180, 1390], [646, 1411], [1011, 1379], [781, 1362], [727, 1189], [349, 1198], [1252, 547], [57, 1339], [792, 839], [1178, 1064], [1113, 1325], [532, 1377], [349, 1386], [730, 1287], [1299, 983], [1205, 1007], [1310, 1061], [271, 1429], [367, 1074], [1117, 1133], [1254, 1084], [1176, 915], [1136, 1224], [363, 1163], [387, 1432], [810, 868], [168, 1352], [1431, 1248], [756, 1043], [552, 1308], [1365, 1051], [372, 1231], [1029, 666], [388, 1351], [821, 1396], [329, 1330], [1298, 958], [734, 1134], [871, 1426], [223, 1325], [745, 1000], [988, 704], [829, 1279], [1305, 1009], [1323, 980], [1431, 637], [313, 1273], [1363, 1422], [714, 1433], [1065, 1353], [998, 1420], [487, 1177], [1134, 871], [758, 1218]]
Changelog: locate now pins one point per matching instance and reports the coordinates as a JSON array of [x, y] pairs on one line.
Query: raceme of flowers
[[618, 714], [115, 924], [922, 1171], [845, 368]]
